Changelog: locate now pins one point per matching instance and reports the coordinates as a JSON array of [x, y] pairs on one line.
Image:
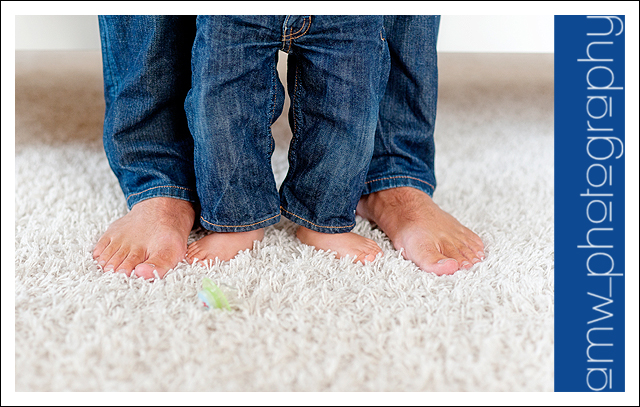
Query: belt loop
[[284, 33]]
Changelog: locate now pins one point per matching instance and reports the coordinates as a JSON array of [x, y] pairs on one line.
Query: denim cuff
[[315, 227], [214, 227], [396, 181], [167, 191]]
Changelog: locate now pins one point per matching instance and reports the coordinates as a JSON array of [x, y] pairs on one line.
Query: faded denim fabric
[[147, 71], [147, 74], [338, 68], [404, 152]]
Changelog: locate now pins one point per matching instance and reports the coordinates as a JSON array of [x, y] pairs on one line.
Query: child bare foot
[[223, 246], [434, 240], [344, 244], [152, 236]]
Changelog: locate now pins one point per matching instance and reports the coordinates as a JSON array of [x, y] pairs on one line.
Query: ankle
[[257, 234], [303, 231], [163, 209], [391, 208]]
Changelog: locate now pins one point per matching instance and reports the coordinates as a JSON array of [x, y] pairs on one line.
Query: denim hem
[[272, 220], [396, 181], [166, 191], [310, 225]]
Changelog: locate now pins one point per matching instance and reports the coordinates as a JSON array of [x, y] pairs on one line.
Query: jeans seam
[[273, 107], [109, 60], [161, 186], [305, 23], [385, 136], [294, 99], [240, 226], [400, 176], [318, 226], [284, 36], [294, 103]]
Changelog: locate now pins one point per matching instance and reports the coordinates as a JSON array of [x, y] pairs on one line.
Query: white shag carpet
[[305, 321]]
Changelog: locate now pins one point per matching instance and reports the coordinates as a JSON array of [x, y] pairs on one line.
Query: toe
[[445, 266], [107, 253], [439, 265], [477, 249], [161, 261], [193, 253], [474, 242], [160, 266], [373, 250], [100, 246], [469, 255], [452, 250], [363, 257], [130, 262], [432, 260], [146, 270], [368, 252], [115, 260], [371, 255]]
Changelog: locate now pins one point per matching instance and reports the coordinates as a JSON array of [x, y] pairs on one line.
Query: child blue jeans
[[190, 102]]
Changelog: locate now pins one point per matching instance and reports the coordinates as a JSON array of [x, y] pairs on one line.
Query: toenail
[[475, 260], [108, 268], [102, 262], [122, 271], [441, 261], [481, 255]]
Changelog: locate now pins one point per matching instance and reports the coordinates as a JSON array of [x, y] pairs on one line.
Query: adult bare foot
[[223, 246], [152, 236], [344, 244], [434, 240]]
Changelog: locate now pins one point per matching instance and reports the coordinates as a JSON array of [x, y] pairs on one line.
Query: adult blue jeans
[[338, 68], [147, 76], [147, 73], [404, 151]]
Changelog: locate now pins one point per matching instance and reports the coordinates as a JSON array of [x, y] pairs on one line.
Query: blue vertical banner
[[589, 203]]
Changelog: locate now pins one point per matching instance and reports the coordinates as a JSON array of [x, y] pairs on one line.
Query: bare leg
[[222, 245], [152, 236], [434, 240], [344, 244]]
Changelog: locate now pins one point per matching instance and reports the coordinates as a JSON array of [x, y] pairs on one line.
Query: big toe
[[369, 253], [146, 271], [437, 263], [442, 267]]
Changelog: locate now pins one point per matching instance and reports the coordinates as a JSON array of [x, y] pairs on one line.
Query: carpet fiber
[[305, 321]]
